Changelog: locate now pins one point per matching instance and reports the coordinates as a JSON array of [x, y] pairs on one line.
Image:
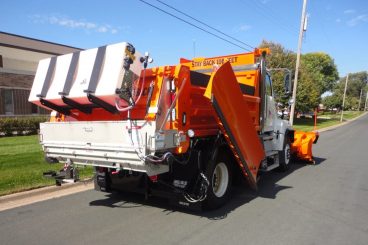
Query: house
[[19, 57]]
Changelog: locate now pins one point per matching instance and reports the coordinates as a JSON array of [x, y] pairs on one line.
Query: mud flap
[[235, 122]]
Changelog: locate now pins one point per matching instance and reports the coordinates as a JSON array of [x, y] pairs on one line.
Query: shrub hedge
[[21, 125]]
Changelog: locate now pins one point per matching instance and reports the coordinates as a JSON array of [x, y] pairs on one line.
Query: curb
[[42, 194], [340, 124], [41, 190]]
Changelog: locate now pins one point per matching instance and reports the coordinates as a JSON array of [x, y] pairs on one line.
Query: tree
[[317, 74], [308, 95], [279, 58], [351, 103], [357, 82], [333, 101], [323, 69]]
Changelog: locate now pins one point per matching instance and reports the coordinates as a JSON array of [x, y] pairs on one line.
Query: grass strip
[[324, 120], [22, 164]]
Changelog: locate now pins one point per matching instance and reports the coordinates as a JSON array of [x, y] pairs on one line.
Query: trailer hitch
[[68, 174]]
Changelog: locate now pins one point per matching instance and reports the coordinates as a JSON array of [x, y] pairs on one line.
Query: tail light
[[154, 178]]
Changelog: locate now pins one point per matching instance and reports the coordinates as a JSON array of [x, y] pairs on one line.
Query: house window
[[1, 61], [8, 102]]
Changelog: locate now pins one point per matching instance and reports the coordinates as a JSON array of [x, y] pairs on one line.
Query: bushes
[[20, 126]]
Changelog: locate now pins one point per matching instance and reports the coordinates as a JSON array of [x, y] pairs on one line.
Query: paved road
[[322, 204]]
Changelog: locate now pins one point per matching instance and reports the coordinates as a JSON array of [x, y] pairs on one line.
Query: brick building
[[19, 58]]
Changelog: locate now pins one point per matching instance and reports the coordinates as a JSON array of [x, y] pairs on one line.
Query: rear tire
[[219, 175], [285, 156], [102, 180]]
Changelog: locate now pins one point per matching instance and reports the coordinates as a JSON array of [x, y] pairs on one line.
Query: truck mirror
[[287, 83], [290, 102]]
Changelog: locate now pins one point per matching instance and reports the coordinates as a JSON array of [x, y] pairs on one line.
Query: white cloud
[[245, 27], [349, 11], [102, 29], [90, 25], [74, 24], [357, 20], [242, 28]]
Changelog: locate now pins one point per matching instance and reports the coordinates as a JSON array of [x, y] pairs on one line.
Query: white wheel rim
[[220, 179], [287, 154]]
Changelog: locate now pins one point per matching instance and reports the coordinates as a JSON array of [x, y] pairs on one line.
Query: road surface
[[322, 204]]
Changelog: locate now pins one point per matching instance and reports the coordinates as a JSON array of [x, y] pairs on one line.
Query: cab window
[[268, 85]]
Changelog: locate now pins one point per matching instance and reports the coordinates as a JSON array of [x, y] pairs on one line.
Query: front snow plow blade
[[302, 145]]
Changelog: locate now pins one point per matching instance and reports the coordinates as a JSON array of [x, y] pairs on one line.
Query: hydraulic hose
[[137, 100]]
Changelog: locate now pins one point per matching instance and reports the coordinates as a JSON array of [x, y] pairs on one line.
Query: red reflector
[[134, 127], [153, 178]]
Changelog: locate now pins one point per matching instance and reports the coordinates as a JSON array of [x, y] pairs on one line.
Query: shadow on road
[[242, 194], [318, 160]]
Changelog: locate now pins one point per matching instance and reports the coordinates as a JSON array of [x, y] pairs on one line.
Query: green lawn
[[323, 120], [22, 164]]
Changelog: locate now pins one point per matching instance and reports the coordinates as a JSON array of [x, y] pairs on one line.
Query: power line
[[271, 18], [278, 18], [275, 18], [187, 15], [317, 11], [191, 24]]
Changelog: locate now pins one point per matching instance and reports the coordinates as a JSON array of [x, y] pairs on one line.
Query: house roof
[[20, 55], [35, 45]]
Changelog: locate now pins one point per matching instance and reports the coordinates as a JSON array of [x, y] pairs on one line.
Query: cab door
[[270, 107]]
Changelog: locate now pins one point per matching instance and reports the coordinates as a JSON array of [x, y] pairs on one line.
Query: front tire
[[285, 156], [220, 178]]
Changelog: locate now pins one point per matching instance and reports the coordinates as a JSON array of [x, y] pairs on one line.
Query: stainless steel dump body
[[107, 143]]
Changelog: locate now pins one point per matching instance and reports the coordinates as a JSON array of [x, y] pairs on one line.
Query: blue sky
[[339, 28]]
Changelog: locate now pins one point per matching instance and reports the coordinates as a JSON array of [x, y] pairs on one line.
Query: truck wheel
[[285, 156], [102, 181], [220, 177]]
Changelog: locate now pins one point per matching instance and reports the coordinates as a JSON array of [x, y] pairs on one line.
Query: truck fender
[[283, 132]]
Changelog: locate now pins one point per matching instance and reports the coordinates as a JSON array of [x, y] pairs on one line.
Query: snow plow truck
[[182, 132]]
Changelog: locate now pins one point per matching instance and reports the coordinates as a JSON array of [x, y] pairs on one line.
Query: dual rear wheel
[[219, 173]]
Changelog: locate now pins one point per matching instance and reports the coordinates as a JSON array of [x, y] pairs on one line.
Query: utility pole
[[301, 30], [360, 98], [365, 105], [343, 99]]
